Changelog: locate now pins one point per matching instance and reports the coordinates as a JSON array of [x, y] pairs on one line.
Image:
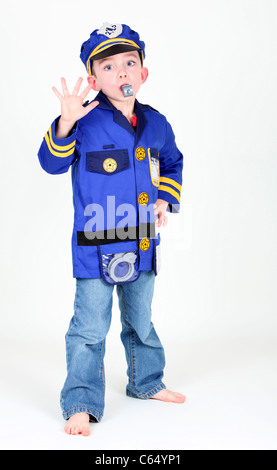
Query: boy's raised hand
[[72, 108]]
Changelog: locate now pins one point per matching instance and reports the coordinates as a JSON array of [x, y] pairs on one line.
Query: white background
[[213, 73]]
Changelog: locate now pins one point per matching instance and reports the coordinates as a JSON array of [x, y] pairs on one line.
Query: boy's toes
[[78, 424], [86, 431], [67, 429], [76, 430], [169, 396], [180, 398]]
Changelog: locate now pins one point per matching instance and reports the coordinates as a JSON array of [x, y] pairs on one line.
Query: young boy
[[124, 160]]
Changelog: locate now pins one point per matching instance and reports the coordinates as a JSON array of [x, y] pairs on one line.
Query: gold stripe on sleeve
[[60, 147], [163, 179], [58, 154], [171, 191]]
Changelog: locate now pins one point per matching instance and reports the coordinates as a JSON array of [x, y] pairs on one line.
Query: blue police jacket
[[118, 172]]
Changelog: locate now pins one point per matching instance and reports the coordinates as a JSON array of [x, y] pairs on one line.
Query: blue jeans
[[84, 388]]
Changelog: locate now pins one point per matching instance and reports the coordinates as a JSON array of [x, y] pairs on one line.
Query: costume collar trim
[[120, 119]]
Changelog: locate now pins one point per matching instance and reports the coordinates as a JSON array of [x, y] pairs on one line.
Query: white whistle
[[127, 90]]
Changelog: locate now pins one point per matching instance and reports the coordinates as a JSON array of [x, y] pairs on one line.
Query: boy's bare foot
[[170, 397], [78, 424]]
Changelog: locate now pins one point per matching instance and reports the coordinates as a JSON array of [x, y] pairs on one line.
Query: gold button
[[143, 199], [140, 153], [144, 244], [109, 165]]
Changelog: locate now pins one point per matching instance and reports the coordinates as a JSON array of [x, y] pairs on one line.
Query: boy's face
[[117, 70]]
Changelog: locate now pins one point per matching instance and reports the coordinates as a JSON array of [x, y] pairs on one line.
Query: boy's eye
[[108, 67], [130, 63]]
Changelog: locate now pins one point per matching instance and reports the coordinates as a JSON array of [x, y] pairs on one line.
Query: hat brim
[[113, 50]]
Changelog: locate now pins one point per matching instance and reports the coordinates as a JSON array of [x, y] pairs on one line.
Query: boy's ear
[[93, 83], [144, 74]]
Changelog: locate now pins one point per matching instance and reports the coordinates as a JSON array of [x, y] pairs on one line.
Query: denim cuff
[[93, 415], [145, 396]]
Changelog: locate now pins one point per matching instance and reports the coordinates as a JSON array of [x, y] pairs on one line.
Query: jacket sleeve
[[57, 155], [171, 167]]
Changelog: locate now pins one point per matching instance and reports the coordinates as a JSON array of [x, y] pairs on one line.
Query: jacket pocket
[[154, 165], [108, 162], [119, 262]]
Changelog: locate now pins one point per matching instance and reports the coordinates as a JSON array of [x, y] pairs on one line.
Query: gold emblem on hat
[[109, 165], [143, 199], [144, 244], [140, 153]]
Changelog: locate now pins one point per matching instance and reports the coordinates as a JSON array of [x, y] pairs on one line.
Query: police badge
[[154, 165], [110, 30]]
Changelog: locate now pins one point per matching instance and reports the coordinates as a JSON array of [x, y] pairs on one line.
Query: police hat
[[109, 40]]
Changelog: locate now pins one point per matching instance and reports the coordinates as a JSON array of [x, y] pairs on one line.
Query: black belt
[[124, 234]]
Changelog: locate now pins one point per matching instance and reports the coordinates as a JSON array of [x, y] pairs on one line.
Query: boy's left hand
[[159, 211]]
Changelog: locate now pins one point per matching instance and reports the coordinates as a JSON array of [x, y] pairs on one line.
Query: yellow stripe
[[171, 191], [60, 147], [170, 181], [108, 43], [58, 154], [115, 41]]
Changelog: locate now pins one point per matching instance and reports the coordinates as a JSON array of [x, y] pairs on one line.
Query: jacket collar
[[120, 119]]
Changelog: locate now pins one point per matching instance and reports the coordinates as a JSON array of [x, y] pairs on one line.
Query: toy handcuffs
[[122, 266]]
